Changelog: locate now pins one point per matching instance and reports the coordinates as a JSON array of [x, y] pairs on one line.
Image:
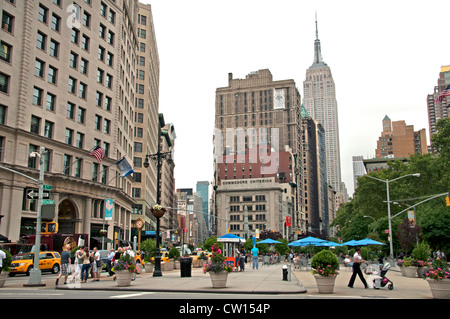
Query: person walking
[[255, 252], [357, 261], [83, 258], [242, 259], [110, 262], [65, 264]]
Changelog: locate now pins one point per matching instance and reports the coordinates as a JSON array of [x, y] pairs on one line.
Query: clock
[[139, 223]]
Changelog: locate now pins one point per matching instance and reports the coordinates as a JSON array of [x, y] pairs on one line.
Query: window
[[77, 167], [106, 148], [32, 161], [4, 83], [52, 74], [7, 22], [54, 48], [75, 36], [2, 117], [136, 192], [85, 42], [81, 115], [37, 96], [109, 81], [56, 22], [112, 16], [42, 13], [5, 52], [108, 102], [70, 110], [48, 129], [137, 147], [51, 102], [111, 37], [101, 53], [84, 66], [99, 99], [102, 32], [107, 126], [72, 85], [73, 63], [69, 136], [110, 59], [83, 90], [39, 68], [95, 167], [67, 164], [80, 140], [41, 40], [98, 122], [103, 9], [86, 19], [100, 75], [35, 124]]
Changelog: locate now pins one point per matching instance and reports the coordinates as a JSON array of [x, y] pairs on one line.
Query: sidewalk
[[265, 280]]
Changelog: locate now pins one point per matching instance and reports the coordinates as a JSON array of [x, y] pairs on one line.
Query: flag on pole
[[98, 153], [444, 93], [125, 167]]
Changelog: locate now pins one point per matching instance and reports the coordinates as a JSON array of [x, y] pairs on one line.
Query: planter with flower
[[438, 278], [325, 265], [6, 267], [124, 269], [421, 253], [217, 268], [410, 267], [158, 211]]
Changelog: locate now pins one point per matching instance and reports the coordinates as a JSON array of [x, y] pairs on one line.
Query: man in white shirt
[[2, 256]]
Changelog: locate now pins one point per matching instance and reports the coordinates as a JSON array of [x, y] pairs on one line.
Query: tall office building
[[438, 110], [319, 99], [202, 189], [67, 83], [151, 132], [258, 155]]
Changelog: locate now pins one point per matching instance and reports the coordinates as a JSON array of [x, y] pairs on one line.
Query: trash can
[[285, 273], [186, 266]]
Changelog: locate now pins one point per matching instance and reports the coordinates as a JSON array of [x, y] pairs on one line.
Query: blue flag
[[125, 167]]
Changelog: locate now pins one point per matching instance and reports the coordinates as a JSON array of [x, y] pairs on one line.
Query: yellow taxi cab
[[164, 256], [23, 263], [199, 253]]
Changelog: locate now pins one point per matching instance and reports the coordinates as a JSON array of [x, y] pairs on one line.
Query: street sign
[[48, 202], [33, 193], [47, 187]]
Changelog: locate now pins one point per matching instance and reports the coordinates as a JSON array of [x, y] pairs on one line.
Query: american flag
[[444, 93], [98, 153]]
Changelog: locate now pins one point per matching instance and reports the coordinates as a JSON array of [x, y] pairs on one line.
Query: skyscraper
[[438, 110], [319, 99]]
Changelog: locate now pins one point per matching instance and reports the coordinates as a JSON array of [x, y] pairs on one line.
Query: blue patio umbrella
[[306, 241], [368, 241], [328, 244], [351, 243], [269, 241]]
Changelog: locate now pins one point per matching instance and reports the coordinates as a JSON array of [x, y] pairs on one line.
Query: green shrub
[[324, 259], [174, 253], [7, 261]]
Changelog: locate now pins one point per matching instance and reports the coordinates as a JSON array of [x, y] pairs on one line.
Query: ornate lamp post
[[157, 210]]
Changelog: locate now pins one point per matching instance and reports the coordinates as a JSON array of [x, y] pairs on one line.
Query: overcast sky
[[385, 57]]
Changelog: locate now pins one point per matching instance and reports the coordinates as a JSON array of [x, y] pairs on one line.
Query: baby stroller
[[380, 280]]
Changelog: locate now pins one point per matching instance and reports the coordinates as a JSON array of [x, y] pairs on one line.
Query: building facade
[[257, 134], [68, 71], [438, 110], [400, 140], [319, 99]]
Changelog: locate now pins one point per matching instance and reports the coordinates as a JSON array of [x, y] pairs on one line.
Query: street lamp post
[[391, 245], [158, 156]]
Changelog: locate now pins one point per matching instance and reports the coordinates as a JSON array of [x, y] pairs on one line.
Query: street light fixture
[[391, 246]]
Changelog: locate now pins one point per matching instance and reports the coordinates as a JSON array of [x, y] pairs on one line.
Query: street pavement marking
[[133, 295]]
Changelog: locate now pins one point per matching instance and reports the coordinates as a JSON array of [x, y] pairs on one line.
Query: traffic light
[[447, 200], [51, 227]]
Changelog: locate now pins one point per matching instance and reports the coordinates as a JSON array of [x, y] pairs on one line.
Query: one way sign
[[33, 193]]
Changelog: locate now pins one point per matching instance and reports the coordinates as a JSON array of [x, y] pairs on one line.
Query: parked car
[[48, 261]]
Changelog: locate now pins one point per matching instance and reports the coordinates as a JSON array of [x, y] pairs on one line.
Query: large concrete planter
[[149, 267], [325, 285], [219, 280], [123, 278], [410, 272], [440, 289]]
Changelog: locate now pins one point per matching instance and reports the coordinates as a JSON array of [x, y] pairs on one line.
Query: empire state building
[[319, 99]]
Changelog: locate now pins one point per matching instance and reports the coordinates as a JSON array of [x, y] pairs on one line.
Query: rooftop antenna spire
[[317, 30]]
